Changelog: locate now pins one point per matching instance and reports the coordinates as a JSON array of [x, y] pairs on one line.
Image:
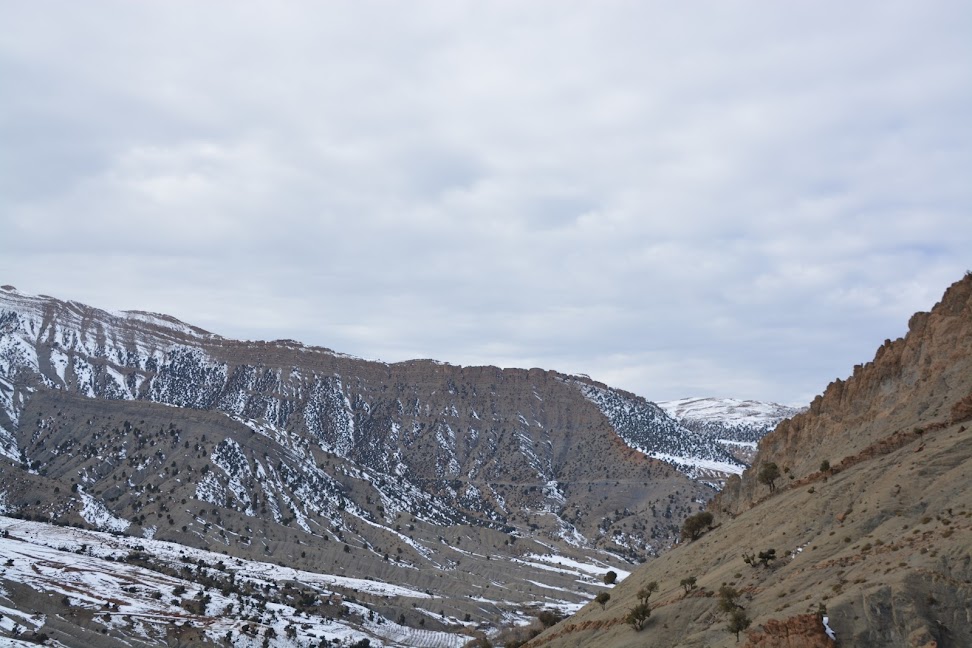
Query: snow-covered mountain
[[735, 425], [142, 425], [730, 419], [160, 591]]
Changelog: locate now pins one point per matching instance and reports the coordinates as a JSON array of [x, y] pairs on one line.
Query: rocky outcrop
[[923, 379], [802, 631], [870, 521]]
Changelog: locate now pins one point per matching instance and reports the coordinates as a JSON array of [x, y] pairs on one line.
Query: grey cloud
[[731, 200]]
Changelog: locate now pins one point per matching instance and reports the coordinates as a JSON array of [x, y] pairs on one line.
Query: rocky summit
[[163, 485]]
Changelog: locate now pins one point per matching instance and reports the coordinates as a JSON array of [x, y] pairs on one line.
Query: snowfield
[[102, 574], [728, 410]]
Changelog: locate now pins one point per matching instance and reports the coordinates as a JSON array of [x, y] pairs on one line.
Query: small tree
[[645, 592], [602, 598], [694, 525], [738, 621], [688, 583], [610, 578], [825, 466], [549, 618], [766, 557], [638, 615], [768, 475], [727, 599]]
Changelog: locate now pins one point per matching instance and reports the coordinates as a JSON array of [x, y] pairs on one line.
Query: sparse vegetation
[[728, 597], [645, 592], [549, 618], [764, 558]]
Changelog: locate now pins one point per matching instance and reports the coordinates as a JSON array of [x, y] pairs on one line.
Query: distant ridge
[[728, 418]]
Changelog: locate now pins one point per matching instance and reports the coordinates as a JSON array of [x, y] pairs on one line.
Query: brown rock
[[803, 631], [921, 381]]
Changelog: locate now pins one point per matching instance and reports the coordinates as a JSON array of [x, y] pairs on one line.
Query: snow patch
[[695, 462], [95, 513], [826, 625]]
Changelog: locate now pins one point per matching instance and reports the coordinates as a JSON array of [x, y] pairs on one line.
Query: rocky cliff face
[[875, 550], [922, 380]]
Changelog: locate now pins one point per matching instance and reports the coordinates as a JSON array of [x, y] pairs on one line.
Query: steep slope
[[877, 549], [140, 424], [923, 380]]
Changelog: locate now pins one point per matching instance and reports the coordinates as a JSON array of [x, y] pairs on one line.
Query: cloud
[[735, 199]]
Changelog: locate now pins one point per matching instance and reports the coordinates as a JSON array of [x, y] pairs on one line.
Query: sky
[[717, 198]]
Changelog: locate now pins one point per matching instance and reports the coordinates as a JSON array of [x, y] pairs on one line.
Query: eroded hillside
[[501, 492]]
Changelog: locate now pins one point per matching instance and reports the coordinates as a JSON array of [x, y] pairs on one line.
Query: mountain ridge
[[147, 426]]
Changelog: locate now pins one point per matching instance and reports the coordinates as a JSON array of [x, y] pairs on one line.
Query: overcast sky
[[709, 198]]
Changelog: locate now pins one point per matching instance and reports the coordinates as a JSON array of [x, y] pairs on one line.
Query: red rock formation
[[803, 631]]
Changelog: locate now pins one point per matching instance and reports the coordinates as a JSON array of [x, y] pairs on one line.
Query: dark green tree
[[768, 474], [610, 578], [645, 592], [638, 615], [766, 557], [728, 596], [549, 618], [602, 598], [738, 621], [688, 583], [694, 525]]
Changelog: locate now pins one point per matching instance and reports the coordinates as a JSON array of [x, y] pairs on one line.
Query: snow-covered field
[[732, 411], [142, 587], [96, 572]]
